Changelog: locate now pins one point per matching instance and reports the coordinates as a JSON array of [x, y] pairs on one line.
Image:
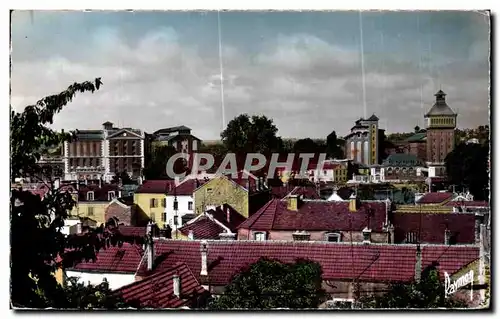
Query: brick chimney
[[176, 280], [418, 264], [228, 215], [150, 246], [367, 236], [293, 202], [353, 203], [204, 258]]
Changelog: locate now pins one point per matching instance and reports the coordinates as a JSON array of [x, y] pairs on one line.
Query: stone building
[[362, 144]]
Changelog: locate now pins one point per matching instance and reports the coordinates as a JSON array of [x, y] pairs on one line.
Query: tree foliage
[[156, 166], [38, 247], [256, 134], [428, 293], [333, 149], [269, 284], [467, 168], [307, 145]]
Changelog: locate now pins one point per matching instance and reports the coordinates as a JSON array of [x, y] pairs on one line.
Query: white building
[[183, 193]]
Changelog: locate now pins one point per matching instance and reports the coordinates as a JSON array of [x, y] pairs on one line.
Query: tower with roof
[[441, 122], [362, 144]]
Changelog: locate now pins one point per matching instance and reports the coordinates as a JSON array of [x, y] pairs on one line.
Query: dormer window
[[111, 195], [90, 196], [259, 236], [333, 237]]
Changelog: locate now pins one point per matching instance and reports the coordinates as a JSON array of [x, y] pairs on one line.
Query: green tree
[[256, 134], [156, 166], [428, 293], [333, 149], [306, 145], [36, 241], [219, 152], [467, 168], [122, 177], [269, 284], [81, 296]]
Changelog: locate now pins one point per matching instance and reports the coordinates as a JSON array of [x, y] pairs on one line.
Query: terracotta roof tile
[[432, 227], [370, 262], [156, 186], [100, 193], [434, 198], [132, 231], [157, 291], [203, 228], [318, 215], [235, 218], [187, 187], [114, 259]]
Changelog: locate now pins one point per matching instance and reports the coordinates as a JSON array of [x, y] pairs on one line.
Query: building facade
[[100, 154], [178, 137], [362, 144], [441, 122]]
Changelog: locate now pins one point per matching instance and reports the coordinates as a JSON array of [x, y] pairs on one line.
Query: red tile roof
[[156, 186], [203, 228], [373, 262], [187, 187], [113, 259], [432, 227], [157, 291], [100, 193], [235, 218], [434, 198], [473, 203], [318, 215], [132, 231]]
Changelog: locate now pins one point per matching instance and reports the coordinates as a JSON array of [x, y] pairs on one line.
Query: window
[[90, 196], [259, 236], [163, 202], [209, 190], [177, 220], [90, 211], [333, 237], [411, 238], [153, 203], [190, 205], [164, 217], [111, 195]]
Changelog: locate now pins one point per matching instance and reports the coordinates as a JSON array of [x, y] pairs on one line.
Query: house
[[122, 209], [331, 172], [150, 200], [178, 137], [399, 167], [363, 143], [215, 262], [318, 220], [118, 265], [246, 193], [101, 154], [417, 145], [176, 287], [216, 223], [93, 201], [177, 216]]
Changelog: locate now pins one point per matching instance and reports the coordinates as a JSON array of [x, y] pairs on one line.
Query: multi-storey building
[[178, 137], [362, 144], [441, 122], [100, 154]]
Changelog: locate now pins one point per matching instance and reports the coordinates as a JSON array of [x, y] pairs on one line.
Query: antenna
[[221, 68]]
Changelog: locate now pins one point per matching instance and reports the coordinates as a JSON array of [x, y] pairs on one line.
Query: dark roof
[[435, 198], [203, 228], [157, 291], [418, 137], [173, 129], [308, 192], [317, 215], [132, 231], [114, 259], [373, 118], [235, 218], [374, 262], [401, 159], [89, 135], [156, 187], [187, 187], [127, 200], [100, 193], [432, 226], [440, 107]]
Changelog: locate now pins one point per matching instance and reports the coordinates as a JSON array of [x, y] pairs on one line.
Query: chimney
[[248, 184], [176, 280], [477, 227], [391, 234], [228, 215], [418, 265], [293, 202], [79, 228], [204, 257], [191, 235], [139, 180], [100, 182], [57, 183], [353, 203], [447, 234], [367, 236], [150, 246]]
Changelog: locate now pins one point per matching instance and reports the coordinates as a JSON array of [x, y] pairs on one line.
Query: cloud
[[305, 83]]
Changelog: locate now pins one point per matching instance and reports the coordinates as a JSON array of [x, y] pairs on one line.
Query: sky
[[304, 70]]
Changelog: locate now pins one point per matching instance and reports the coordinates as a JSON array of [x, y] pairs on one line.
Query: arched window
[[333, 237]]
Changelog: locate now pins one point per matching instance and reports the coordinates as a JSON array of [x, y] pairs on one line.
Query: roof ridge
[[257, 215], [274, 214]]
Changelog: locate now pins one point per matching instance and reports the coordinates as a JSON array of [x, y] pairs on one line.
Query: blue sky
[[303, 69]]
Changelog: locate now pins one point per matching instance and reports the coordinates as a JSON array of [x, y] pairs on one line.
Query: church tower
[[440, 122]]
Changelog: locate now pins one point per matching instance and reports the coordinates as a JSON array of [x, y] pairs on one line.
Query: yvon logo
[[452, 287]]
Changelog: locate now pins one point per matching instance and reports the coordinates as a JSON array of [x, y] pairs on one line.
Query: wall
[[357, 236], [115, 280], [220, 191], [125, 215], [183, 206], [99, 214], [144, 211]]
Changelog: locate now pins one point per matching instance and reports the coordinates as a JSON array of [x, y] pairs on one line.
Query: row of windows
[[91, 196], [153, 203], [442, 121], [331, 237]]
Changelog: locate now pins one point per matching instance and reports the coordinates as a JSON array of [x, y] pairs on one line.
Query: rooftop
[[435, 198], [155, 187]]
